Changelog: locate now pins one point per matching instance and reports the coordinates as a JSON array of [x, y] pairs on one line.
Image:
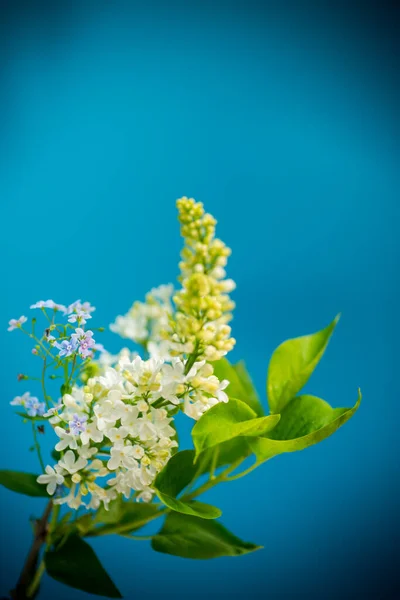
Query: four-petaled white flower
[[53, 478], [67, 440], [16, 323], [70, 463], [121, 455], [91, 433]]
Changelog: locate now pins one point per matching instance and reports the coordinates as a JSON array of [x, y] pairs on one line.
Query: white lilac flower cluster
[[118, 428], [146, 321], [114, 420]]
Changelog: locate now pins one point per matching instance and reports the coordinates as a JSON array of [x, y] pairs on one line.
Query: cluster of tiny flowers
[[145, 322], [203, 305], [113, 430], [117, 428], [31, 404]]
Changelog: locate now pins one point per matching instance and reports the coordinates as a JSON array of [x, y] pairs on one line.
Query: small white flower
[[72, 500], [117, 435], [121, 455], [71, 464], [146, 495], [137, 452], [142, 406], [52, 478], [16, 323], [86, 451], [67, 440], [91, 433], [104, 414], [21, 400]]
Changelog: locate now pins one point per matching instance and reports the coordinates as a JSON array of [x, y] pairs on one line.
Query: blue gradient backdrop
[[282, 120]]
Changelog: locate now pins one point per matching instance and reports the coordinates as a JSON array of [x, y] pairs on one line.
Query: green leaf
[[123, 517], [23, 483], [305, 421], [228, 453], [112, 514], [75, 564], [176, 475], [226, 421], [190, 537], [240, 385], [292, 364], [29, 418]]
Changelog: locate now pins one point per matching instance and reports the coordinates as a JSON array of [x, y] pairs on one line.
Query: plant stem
[[214, 462], [33, 587], [243, 473], [28, 572], [36, 580], [192, 359], [44, 381], [37, 445], [124, 528], [212, 482]]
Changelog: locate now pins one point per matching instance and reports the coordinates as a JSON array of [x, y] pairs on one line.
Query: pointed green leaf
[[23, 483], [240, 385], [29, 418], [176, 475], [305, 421], [190, 537], [226, 421], [292, 364], [75, 564]]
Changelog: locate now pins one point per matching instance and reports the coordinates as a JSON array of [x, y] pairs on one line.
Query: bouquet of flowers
[[116, 464]]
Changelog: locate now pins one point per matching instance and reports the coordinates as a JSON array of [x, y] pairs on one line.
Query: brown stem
[[30, 565]]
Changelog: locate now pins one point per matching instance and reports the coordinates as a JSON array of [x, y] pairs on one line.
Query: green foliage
[[191, 537], [292, 364], [176, 475], [223, 455], [27, 417], [123, 517], [225, 422], [75, 564], [23, 483], [305, 421], [240, 385]]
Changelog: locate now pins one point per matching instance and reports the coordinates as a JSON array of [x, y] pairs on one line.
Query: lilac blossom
[[34, 408], [67, 347], [16, 323], [78, 424]]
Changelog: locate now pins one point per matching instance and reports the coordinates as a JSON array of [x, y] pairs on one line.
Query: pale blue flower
[[85, 341], [78, 424], [67, 347], [34, 408]]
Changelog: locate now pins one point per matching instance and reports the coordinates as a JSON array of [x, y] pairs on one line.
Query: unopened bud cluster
[[203, 306]]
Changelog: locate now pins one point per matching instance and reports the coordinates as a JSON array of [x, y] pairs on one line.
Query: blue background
[[282, 121]]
